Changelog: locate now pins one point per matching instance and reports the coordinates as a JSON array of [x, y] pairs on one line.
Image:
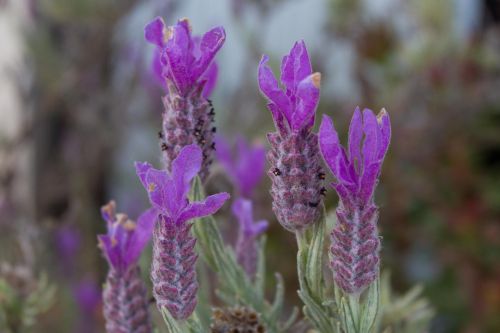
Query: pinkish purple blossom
[[244, 163], [185, 66], [124, 295], [296, 171], [355, 242], [173, 268], [182, 58], [246, 244]]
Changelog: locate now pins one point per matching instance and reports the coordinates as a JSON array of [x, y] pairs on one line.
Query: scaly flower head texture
[[173, 268], [244, 163], [125, 295], [246, 244], [182, 58], [296, 171], [355, 244], [125, 239]]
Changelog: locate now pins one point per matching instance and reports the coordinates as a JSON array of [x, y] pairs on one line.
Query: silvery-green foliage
[[236, 287], [20, 308], [409, 313]]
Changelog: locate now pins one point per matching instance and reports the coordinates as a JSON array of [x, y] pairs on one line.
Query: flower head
[[168, 192], [183, 59], [125, 239], [244, 164], [294, 107], [357, 170]]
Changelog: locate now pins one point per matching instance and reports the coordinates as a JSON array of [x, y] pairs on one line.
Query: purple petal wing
[[178, 52], [160, 188], [242, 209], [210, 44], [369, 181], [329, 144], [141, 169], [251, 166], [370, 144], [110, 250], [384, 124], [295, 66], [259, 227], [141, 235], [269, 87], [355, 136], [203, 208], [184, 169], [154, 32], [307, 101]]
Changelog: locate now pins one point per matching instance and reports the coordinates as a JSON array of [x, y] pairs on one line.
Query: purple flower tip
[[168, 192], [357, 170], [243, 210], [294, 107], [183, 59], [125, 239], [244, 163]]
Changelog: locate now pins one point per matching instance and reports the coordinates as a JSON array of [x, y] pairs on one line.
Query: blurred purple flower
[[125, 295], [296, 171], [355, 244], [246, 244], [88, 297], [182, 58], [125, 239], [243, 163], [68, 241], [173, 268]]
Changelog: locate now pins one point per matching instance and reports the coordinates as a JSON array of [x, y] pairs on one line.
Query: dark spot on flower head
[[313, 204], [276, 172], [209, 102], [202, 140], [212, 112], [164, 146], [200, 122], [214, 129], [152, 300], [322, 191], [205, 156], [160, 134], [213, 145], [321, 175]]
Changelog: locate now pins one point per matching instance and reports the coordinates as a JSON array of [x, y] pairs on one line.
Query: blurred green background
[[78, 104]]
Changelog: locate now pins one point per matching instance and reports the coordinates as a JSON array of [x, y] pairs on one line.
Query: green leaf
[[370, 307], [172, 325]]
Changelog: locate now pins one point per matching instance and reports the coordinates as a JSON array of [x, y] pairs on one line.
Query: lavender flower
[[246, 246], [355, 243], [184, 63], [173, 268], [244, 164], [124, 296], [295, 171]]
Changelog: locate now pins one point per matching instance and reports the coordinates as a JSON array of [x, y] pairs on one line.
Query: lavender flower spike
[[173, 268], [355, 242], [296, 171], [186, 65], [124, 295], [244, 165], [246, 246]]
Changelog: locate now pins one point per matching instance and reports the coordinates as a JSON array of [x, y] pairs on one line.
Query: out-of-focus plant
[[22, 298]]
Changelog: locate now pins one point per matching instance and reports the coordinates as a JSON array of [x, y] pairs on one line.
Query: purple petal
[[259, 227], [157, 69], [370, 145], [209, 206], [307, 101], [369, 181], [384, 124], [329, 144], [154, 32], [178, 53], [210, 44], [141, 235], [141, 169], [242, 209], [184, 169], [160, 189], [110, 250], [269, 87], [355, 136], [251, 164], [211, 79], [295, 67], [278, 118]]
